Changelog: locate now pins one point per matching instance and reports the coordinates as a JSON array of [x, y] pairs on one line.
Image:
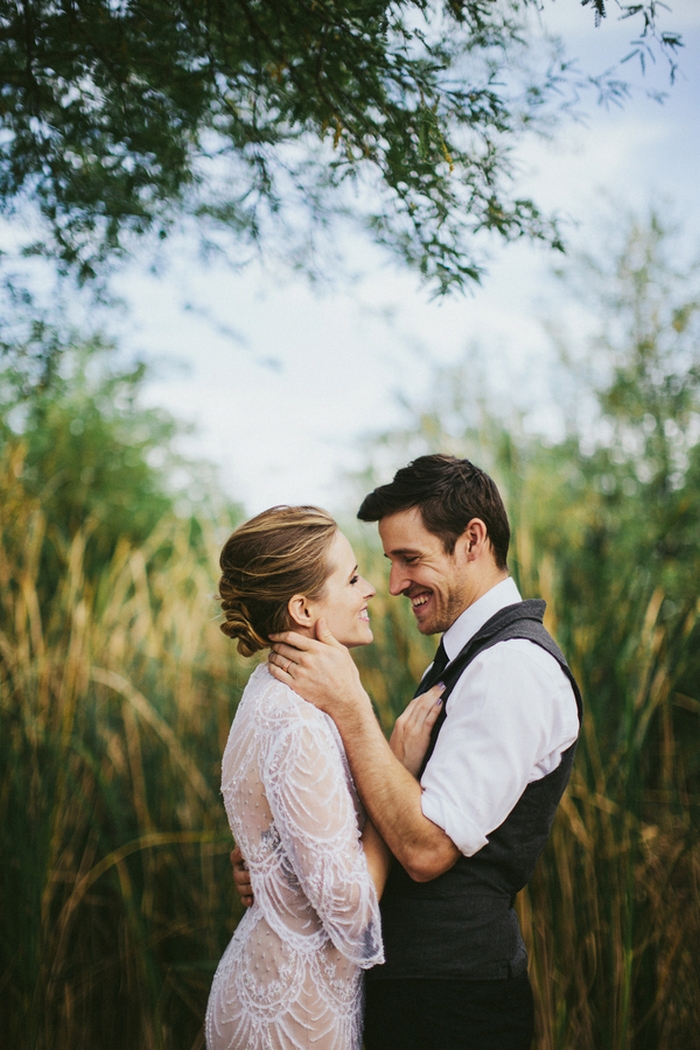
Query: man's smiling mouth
[[419, 600]]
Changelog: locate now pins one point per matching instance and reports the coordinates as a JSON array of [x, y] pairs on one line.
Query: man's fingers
[[238, 861], [292, 640], [278, 673], [284, 656], [236, 856], [241, 876], [279, 660], [287, 652], [244, 886], [324, 635]]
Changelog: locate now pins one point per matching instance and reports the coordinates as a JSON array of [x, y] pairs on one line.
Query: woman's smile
[[345, 597]]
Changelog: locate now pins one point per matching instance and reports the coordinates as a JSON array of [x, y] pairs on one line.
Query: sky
[[283, 380]]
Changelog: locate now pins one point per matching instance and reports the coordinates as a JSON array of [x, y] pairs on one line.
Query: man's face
[[438, 585]]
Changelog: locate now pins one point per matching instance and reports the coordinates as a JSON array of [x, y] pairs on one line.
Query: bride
[[291, 977]]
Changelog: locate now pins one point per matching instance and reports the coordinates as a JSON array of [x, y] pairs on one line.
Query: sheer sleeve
[[315, 818]]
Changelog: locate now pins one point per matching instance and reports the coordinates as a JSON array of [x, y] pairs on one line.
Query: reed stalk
[[116, 696]]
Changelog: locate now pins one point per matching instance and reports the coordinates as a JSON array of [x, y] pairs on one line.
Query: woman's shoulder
[[275, 702], [286, 726]]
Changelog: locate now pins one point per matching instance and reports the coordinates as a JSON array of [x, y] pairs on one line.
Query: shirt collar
[[475, 616]]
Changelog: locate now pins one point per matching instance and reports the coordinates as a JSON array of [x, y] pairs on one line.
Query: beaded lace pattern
[[291, 977]]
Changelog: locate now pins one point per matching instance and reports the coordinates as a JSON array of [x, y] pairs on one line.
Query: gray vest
[[463, 923]]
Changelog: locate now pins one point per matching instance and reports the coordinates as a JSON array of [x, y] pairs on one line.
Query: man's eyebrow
[[402, 551]]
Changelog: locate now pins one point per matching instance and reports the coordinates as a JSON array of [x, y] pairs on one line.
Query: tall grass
[[612, 916], [116, 695]]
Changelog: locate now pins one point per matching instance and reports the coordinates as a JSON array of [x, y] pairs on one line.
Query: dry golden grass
[[116, 695]]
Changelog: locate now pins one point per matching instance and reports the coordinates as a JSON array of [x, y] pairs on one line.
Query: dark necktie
[[434, 674]]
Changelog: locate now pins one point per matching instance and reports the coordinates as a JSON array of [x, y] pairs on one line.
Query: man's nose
[[397, 580]]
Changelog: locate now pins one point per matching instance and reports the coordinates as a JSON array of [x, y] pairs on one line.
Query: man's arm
[[323, 673], [409, 742], [241, 877]]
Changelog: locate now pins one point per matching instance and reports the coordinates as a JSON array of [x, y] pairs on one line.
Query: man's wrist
[[351, 707]]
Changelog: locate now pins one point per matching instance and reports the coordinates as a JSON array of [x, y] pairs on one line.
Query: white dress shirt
[[508, 720]]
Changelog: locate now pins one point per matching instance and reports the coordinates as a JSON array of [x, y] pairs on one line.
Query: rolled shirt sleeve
[[508, 721]]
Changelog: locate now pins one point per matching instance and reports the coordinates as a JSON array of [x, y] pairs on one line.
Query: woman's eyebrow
[[354, 571]]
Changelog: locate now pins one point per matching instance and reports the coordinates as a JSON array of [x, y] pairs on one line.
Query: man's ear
[[475, 539], [300, 611]]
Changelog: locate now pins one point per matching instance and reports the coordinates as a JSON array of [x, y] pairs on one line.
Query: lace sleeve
[[315, 817]]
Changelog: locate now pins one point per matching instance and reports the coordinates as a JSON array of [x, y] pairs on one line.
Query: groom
[[468, 832]]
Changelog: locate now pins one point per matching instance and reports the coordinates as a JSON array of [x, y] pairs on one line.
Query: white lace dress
[[291, 977]]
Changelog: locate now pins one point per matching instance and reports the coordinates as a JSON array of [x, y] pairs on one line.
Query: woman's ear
[[299, 611]]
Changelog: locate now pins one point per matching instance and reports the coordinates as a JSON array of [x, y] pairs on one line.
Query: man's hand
[[319, 669], [322, 672], [410, 736], [241, 877]]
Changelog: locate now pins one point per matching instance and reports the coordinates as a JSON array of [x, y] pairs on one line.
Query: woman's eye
[[354, 579]]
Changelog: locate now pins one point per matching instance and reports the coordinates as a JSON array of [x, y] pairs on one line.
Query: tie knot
[[441, 661], [432, 677]]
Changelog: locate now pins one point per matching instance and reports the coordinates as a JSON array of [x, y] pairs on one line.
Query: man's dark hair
[[449, 492]]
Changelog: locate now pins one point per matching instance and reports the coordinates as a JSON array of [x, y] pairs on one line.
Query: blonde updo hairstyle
[[265, 562]]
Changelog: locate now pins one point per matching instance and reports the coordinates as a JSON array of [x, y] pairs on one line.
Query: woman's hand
[[241, 877], [411, 734]]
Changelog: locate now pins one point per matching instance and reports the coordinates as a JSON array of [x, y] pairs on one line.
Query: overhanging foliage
[[266, 117]]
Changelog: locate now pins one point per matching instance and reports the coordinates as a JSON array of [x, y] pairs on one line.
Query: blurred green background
[[117, 688], [125, 126]]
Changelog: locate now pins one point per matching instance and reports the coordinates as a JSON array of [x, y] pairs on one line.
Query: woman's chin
[[365, 638]]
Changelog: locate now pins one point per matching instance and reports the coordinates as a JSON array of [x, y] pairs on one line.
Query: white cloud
[[282, 380]]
